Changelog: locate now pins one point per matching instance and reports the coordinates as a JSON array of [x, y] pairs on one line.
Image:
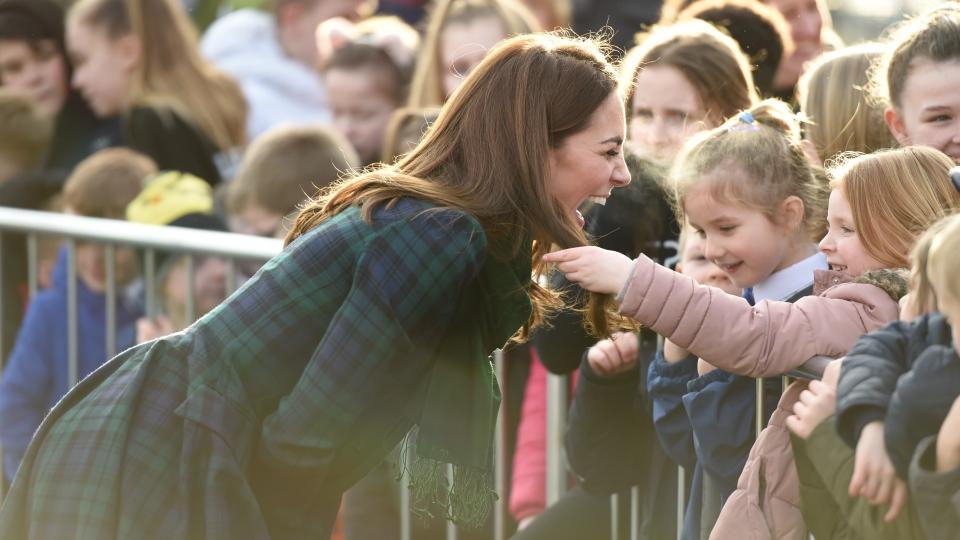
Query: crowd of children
[[792, 197]]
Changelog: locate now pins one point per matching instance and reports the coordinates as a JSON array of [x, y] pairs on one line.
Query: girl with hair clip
[[748, 192], [879, 204], [680, 80], [459, 35], [366, 69], [375, 322], [138, 59], [835, 101], [918, 79]]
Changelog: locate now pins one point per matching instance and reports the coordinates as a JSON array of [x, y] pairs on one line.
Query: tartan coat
[[253, 421]]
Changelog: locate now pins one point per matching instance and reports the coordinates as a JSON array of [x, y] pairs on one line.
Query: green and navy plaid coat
[[252, 422]]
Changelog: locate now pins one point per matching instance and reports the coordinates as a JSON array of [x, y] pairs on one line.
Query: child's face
[[842, 245], [258, 221], [92, 266], [930, 107], [361, 109], [693, 263], [742, 241], [39, 73], [209, 286], [103, 67], [666, 111], [463, 45]]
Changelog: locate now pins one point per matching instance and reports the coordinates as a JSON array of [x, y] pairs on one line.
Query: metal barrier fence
[[234, 248]]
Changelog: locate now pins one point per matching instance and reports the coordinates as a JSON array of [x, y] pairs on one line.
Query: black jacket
[[874, 365], [920, 403]]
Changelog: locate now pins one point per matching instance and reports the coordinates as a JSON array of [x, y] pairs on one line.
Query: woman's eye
[[613, 153]]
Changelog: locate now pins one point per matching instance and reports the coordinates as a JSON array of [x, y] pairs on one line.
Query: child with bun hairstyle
[[878, 206]]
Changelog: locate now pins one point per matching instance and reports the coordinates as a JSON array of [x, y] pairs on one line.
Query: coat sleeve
[[868, 378], [770, 338], [27, 382], [721, 408], [936, 494], [606, 441], [405, 288], [920, 403], [834, 462], [666, 385]]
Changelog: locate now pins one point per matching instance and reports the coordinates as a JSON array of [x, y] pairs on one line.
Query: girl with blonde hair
[[459, 34], [139, 59], [835, 99]]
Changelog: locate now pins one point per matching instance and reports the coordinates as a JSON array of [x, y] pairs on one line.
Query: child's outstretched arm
[[767, 339]]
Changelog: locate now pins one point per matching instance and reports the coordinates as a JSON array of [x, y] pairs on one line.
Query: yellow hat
[[168, 196]]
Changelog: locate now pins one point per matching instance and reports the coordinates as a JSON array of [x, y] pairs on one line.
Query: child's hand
[[615, 355], [150, 329], [816, 404], [831, 374], [595, 269], [873, 475], [704, 367], [948, 440]]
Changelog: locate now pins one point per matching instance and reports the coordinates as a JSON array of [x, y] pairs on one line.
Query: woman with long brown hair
[[374, 323]]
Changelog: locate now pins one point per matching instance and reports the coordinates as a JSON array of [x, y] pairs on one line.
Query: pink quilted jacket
[[767, 339]]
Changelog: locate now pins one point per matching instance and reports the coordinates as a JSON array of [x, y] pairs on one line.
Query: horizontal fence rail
[[154, 239]]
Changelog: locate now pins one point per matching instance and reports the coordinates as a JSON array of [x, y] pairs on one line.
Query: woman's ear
[[896, 126]]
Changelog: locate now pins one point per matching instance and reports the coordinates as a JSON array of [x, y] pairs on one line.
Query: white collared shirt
[[784, 284]]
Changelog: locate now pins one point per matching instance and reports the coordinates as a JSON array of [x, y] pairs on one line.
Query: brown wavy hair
[[488, 153]]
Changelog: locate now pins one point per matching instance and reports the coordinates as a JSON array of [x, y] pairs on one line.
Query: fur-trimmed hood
[[892, 281]]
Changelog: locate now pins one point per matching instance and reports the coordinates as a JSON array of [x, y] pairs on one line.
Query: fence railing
[[235, 248]]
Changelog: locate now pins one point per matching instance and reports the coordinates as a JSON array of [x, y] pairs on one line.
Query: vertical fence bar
[[615, 517], [556, 420], [231, 275], [635, 513], [150, 279], [681, 499], [191, 307], [500, 451], [759, 413], [32, 264], [405, 521], [111, 266], [451, 527], [73, 374]]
